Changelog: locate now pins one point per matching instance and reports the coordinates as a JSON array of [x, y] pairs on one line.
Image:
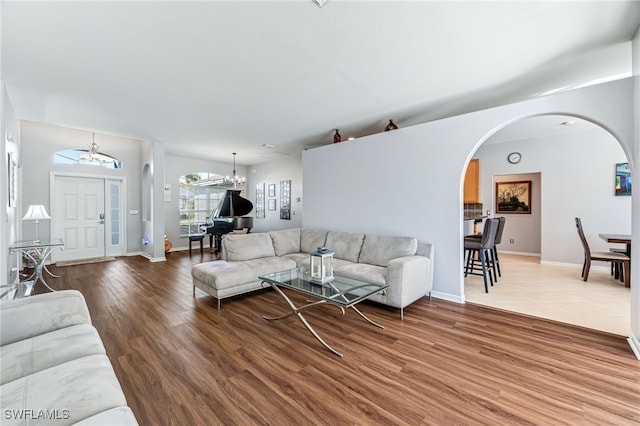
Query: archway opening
[[576, 161]]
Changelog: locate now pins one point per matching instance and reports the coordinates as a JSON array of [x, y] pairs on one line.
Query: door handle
[[101, 222]]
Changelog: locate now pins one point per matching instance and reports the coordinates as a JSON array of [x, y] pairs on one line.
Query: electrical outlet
[[512, 241]]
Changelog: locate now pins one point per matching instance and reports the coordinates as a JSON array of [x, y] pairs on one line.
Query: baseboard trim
[[635, 344], [448, 296], [147, 256], [519, 253]]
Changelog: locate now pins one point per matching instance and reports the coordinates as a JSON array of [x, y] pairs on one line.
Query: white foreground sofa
[[403, 263], [54, 368]]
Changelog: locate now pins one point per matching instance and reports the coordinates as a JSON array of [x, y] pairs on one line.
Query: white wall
[[40, 142], [634, 338], [273, 172], [578, 175], [10, 216], [409, 181]]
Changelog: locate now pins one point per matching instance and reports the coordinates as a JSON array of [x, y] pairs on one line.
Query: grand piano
[[230, 215]]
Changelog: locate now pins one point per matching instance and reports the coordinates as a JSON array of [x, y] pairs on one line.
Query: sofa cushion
[[301, 259], [286, 241], [221, 274], [345, 245], [37, 353], [379, 250], [247, 246], [77, 389], [311, 239], [364, 272], [115, 416]]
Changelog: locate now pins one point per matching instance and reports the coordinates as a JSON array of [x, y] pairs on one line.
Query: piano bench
[[196, 237]]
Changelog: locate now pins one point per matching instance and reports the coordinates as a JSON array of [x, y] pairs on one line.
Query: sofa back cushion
[[345, 245], [311, 239], [286, 241], [238, 247], [379, 250]]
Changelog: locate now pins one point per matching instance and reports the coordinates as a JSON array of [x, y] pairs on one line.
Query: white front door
[[79, 217]]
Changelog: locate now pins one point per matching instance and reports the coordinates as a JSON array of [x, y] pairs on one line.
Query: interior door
[[79, 217]]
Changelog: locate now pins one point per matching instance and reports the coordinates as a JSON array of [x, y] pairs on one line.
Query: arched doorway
[[576, 160]]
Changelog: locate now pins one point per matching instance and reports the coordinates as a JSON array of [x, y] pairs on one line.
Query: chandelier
[[234, 180], [93, 156]]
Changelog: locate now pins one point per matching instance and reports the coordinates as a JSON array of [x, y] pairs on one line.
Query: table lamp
[[36, 212]]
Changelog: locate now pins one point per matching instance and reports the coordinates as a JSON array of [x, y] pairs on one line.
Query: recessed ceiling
[[211, 78]]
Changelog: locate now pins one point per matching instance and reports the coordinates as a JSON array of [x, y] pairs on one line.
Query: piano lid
[[232, 205]]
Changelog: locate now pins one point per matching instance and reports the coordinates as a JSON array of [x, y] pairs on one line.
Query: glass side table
[[16, 290], [38, 253]]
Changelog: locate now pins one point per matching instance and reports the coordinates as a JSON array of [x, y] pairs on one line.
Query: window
[[83, 156], [200, 194]]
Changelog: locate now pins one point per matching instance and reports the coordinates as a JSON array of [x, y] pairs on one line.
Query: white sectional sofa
[[403, 263], [54, 368]]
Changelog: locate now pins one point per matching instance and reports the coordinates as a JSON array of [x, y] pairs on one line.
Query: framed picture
[[272, 204], [272, 190], [285, 199], [623, 179], [260, 200], [11, 179], [513, 197]]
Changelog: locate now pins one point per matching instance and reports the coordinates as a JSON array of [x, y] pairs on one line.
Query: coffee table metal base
[[295, 310]]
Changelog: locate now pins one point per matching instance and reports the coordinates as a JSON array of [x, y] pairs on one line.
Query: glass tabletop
[[341, 290], [30, 244]]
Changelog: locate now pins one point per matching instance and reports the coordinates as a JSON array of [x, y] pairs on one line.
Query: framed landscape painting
[[513, 197]]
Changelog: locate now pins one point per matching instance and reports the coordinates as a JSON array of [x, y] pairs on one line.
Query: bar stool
[[480, 251]]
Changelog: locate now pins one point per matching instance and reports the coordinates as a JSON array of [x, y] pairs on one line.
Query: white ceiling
[[209, 78]]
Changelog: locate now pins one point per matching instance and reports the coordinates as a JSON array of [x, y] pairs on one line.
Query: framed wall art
[[272, 204], [260, 200], [11, 180], [272, 190], [285, 199], [623, 179], [513, 197]]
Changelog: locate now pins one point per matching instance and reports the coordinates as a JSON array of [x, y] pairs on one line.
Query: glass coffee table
[[341, 291]]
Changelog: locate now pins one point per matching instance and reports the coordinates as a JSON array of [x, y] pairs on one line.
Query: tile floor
[[557, 293]]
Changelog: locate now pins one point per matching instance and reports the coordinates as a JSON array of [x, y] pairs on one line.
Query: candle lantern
[[321, 265]]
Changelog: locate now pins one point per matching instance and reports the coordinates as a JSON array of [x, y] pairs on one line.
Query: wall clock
[[514, 157]]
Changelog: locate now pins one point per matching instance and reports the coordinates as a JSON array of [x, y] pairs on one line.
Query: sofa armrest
[[31, 316], [409, 279]]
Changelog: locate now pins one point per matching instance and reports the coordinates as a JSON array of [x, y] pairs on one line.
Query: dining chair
[[604, 256], [480, 251]]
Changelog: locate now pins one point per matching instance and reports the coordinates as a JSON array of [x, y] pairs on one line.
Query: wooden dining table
[[620, 239]]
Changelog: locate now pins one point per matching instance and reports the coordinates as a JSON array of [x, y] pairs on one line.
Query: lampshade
[[36, 212]]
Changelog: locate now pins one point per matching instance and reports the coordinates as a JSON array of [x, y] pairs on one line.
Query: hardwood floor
[[181, 361]]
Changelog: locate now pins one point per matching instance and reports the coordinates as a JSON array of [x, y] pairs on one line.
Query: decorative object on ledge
[[260, 200], [285, 199], [36, 212], [337, 137], [321, 264], [513, 197], [623, 179], [390, 126]]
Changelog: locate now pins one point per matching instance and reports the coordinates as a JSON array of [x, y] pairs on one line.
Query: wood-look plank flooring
[[181, 361]]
